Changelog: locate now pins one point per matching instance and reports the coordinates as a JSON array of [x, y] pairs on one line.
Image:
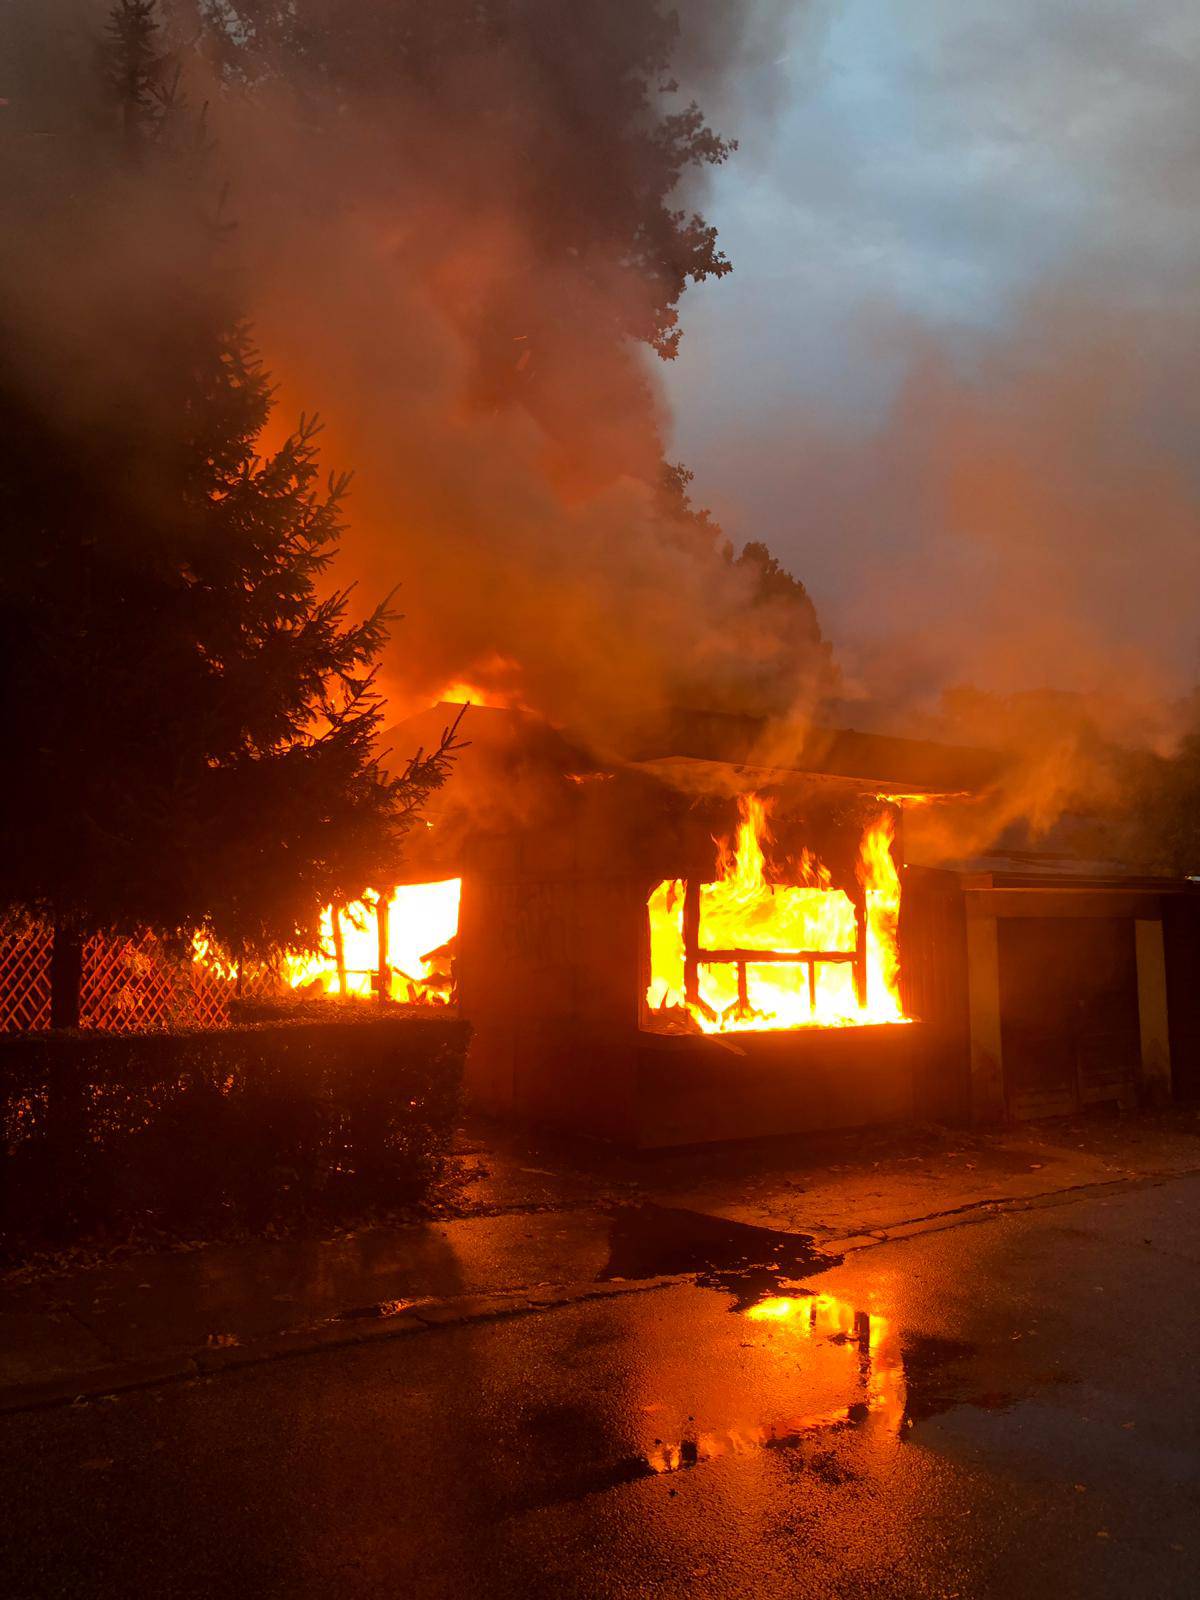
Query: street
[[1008, 1406]]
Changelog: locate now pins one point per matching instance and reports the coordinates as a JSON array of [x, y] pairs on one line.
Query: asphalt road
[[1010, 1408]]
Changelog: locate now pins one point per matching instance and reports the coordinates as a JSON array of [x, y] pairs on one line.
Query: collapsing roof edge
[[721, 750], [910, 765]]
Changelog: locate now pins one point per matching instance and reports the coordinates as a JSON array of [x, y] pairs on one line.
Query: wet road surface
[[1009, 1408]]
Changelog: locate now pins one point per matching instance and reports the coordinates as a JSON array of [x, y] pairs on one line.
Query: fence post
[[384, 981], [339, 947], [66, 977]]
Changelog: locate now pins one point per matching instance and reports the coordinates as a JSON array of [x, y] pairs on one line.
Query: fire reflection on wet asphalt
[[806, 1364], [851, 1359]]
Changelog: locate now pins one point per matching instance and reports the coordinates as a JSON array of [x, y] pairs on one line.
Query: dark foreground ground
[[1006, 1407]]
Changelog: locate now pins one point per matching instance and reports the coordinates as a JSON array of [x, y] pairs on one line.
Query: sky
[[951, 377]]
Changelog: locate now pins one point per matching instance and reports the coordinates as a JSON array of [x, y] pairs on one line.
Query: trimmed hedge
[[210, 1133]]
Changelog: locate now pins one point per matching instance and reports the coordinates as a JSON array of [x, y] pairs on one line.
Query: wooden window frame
[[695, 955]]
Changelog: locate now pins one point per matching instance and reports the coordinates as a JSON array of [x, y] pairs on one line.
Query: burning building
[[697, 942], [718, 938], [694, 944]]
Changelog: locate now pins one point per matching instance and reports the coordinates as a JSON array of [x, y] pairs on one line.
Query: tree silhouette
[[193, 712]]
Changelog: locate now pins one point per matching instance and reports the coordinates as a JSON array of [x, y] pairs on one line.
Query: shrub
[[208, 1133]]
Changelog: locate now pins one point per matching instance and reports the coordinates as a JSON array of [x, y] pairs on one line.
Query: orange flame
[[496, 683], [422, 921], [771, 956], [468, 694]]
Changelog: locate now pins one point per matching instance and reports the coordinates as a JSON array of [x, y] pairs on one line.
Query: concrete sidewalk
[[538, 1231], [836, 1184]]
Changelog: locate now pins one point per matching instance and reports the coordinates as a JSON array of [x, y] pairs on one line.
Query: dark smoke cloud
[[446, 270], [437, 241]]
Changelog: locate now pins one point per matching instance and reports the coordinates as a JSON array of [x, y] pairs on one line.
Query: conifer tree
[[193, 713], [136, 72]]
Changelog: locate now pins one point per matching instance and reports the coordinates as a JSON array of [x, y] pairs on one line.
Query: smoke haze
[[950, 381], [959, 395], [460, 262], [459, 231]]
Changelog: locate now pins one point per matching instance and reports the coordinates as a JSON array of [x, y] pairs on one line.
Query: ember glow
[[922, 800], [421, 926], [463, 694], [751, 955]]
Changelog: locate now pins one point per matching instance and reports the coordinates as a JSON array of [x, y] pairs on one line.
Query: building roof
[[915, 766]]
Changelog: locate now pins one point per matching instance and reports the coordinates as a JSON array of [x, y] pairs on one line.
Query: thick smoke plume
[[456, 238], [1029, 529], [981, 257]]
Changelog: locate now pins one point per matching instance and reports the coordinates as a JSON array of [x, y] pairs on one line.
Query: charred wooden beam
[[860, 950], [757, 956], [691, 941], [384, 979]]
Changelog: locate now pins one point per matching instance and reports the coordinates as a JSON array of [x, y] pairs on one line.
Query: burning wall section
[[747, 953], [398, 945]]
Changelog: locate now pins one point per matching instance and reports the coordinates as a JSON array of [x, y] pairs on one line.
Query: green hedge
[[211, 1133]]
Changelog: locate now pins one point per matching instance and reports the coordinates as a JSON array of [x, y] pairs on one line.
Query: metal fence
[[129, 985]]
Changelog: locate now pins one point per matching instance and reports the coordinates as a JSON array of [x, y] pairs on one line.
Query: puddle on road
[[830, 1386], [855, 1374], [808, 1372], [851, 1372], [849, 1368], [858, 1371], [650, 1241]]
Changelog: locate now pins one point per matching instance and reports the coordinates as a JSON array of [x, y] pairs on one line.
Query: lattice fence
[[25, 979], [129, 985]]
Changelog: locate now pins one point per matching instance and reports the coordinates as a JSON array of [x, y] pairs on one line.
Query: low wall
[[753, 1085]]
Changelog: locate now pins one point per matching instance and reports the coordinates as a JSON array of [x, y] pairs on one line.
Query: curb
[[117, 1379], [977, 1211], [372, 1325]]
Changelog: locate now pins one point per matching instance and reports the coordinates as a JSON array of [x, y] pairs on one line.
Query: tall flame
[[842, 975]]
